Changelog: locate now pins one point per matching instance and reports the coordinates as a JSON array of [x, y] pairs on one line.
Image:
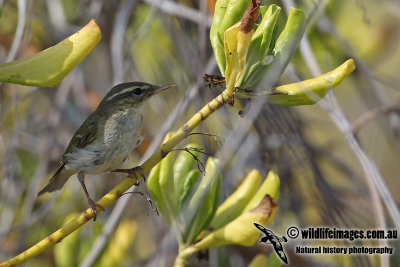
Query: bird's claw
[[92, 206], [133, 173]]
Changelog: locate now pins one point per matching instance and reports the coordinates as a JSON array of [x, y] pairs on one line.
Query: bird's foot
[[133, 173], [93, 205]]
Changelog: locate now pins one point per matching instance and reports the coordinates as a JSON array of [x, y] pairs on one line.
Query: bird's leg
[[132, 173], [92, 204]]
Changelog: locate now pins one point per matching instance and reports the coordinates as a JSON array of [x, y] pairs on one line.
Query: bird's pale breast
[[118, 137]]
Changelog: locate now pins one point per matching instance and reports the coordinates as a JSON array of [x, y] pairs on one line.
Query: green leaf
[[234, 12], [283, 51], [153, 185], [260, 42], [190, 180], [166, 183], [47, 68], [183, 165], [203, 204], [216, 43]]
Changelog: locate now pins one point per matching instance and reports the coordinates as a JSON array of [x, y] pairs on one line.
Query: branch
[[118, 190], [373, 114]]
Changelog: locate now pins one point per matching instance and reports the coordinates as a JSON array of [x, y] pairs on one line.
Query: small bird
[[275, 241], [106, 137]]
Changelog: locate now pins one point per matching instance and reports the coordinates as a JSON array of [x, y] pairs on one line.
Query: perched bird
[[275, 241], [107, 136]]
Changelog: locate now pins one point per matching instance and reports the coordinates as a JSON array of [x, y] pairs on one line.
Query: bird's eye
[[137, 91]]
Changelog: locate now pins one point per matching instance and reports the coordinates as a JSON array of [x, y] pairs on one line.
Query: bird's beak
[[159, 88]]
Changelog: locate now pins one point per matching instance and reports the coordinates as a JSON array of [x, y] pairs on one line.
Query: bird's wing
[[279, 250], [85, 135], [261, 228]]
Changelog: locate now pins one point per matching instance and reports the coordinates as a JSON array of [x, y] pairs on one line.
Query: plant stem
[[118, 190], [183, 255]]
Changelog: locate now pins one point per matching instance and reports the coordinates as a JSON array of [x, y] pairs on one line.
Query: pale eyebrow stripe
[[120, 93]]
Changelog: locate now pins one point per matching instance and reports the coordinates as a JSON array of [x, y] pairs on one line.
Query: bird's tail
[[58, 180]]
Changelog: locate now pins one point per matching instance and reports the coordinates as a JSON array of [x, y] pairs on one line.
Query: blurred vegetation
[[322, 182]]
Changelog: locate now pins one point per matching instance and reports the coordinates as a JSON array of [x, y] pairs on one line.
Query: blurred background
[[322, 181]]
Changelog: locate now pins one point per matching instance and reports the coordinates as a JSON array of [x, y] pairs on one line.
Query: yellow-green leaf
[[66, 253], [241, 231], [48, 67], [119, 244], [166, 181], [217, 44], [260, 260], [184, 163], [237, 201], [204, 202], [307, 92], [269, 187]]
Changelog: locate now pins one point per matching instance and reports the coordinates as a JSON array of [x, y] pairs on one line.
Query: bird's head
[[132, 94]]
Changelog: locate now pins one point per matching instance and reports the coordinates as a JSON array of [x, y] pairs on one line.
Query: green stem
[[118, 190], [183, 256]]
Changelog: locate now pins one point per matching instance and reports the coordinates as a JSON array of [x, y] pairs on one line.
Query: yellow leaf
[[233, 206], [231, 54], [269, 187], [241, 231]]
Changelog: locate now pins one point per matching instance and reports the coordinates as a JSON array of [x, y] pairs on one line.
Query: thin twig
[[148, 198], [56, 14], [373, 114], [190, 95], [200, 164], [375, 182], [219, 139], [118, 39], [174, 8], [380, 95], [19, 32]]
